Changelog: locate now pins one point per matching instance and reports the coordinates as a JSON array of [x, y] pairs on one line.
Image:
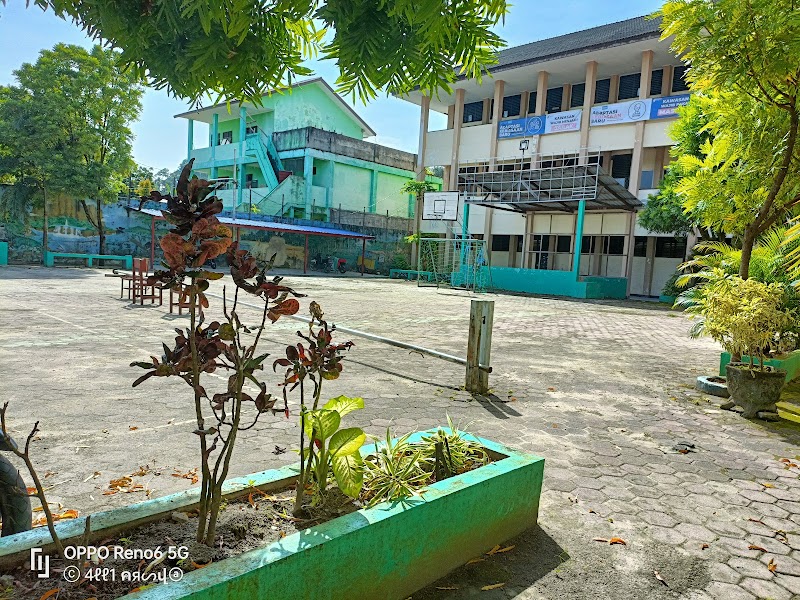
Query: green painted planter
[[789, 363], [387, 552], [667, 300]]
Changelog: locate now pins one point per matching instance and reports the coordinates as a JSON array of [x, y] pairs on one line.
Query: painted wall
[[351, 187], [389, 197]]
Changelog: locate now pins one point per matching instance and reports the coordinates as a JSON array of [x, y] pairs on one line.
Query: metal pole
[[152, 243], [363, 253], [250, 210], [305, 258]]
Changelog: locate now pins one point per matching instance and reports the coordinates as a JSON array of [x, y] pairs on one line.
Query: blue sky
[[161, 140]]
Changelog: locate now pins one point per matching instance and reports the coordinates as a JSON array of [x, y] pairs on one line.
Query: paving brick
[[765, 589]]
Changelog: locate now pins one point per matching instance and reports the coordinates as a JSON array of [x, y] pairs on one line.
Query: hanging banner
[[621, 112], [560, 122], [526, 127], [665, 108]]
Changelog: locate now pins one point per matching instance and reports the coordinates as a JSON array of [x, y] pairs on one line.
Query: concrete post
[[308, 175], [479, 346], [497, 114], [576, 255], [213, 144], [190, 140], [650, 255], [458, 118], [588, 101], [541, 103]]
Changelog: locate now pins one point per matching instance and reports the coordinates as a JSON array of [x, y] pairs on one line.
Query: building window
[[667, 247], [679, 79], [629, 86], [576, 97], [564, 244], [251, 130], [553, 101], [226, 137], [646, 182], [473, 112], [602, 90], [532, 103], [640, 246], [621, 168], [614, 245], [656, 78], [501, 243], [511, 105]]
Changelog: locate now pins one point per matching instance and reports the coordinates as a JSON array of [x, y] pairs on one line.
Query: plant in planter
[[204, 348], [749, 319]]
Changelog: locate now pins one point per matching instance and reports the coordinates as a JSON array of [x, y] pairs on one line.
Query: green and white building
[[301, 154]]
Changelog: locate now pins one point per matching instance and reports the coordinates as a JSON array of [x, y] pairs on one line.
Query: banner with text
[[665, 108], [621, 112], [560, 122]]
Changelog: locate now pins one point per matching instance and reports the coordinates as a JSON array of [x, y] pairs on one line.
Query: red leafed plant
[[226, 345]]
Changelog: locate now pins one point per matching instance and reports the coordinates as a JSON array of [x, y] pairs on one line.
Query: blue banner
[[527, 127], [665, 108]]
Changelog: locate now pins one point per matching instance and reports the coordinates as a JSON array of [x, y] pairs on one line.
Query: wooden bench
[[409, 274], [49, 258]]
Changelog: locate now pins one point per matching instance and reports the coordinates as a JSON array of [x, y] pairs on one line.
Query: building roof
[[204, 114], [579, 42], [276, 226]]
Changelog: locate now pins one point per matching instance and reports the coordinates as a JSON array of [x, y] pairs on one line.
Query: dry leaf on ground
[[660, 578], [754, 547], [772, 566], [497, 550], [616, 540], [191, 475], [494, 586]]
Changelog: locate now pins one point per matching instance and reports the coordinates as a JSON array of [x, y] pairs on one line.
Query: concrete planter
[[387, 552], [786, 362], [667, 299], [753, 390]]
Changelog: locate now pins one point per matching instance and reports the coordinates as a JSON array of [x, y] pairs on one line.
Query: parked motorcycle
[[15, 505], [320, 264], [341, 265]]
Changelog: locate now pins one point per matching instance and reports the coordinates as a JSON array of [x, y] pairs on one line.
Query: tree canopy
[[745, 68], [240, 49]]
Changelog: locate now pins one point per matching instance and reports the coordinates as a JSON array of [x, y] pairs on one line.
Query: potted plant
[[749, 319]]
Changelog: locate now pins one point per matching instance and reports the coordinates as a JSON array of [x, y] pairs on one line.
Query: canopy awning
[[547, 189], [276, 226]]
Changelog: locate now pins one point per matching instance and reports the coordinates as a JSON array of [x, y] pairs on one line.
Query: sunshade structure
[[237, 224], [547, 189]]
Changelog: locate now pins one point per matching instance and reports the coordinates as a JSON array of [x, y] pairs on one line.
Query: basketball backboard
[[440, 206]]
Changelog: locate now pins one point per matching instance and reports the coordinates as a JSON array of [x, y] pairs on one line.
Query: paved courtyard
[[602, 390]]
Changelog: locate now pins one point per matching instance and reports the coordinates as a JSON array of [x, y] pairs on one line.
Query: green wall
[[351, 187], [389, 197]]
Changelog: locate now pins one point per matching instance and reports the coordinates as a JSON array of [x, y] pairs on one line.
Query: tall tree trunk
[[44, 227], [747, 251], [101, 230]]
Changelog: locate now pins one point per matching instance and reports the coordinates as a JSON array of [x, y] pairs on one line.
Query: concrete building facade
[[301, 154], [603, 97]]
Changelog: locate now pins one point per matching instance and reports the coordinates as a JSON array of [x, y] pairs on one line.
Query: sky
[[161, 140]]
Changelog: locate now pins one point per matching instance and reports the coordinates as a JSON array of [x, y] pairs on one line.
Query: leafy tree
[[745, 64], [665, 212], [78, 102], [162, 181], [242, 48]]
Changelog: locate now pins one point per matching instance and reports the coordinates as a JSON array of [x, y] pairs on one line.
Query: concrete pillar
[[649, 261], [240, 158], [666, 80], [190, 140], [658, 167], [486, 115], [487, 230], [214, 131], [524, 100], [638, 142], [451, 112], [576, 255], [588, 101], [458, 118], [308, 175], [566, 94], [541, 92], [613, 91], [499, 90], [526, 240], [373, 191]]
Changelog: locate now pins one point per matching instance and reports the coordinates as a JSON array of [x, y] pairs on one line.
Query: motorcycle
[[15, 505], [320, 264], [341, 265]]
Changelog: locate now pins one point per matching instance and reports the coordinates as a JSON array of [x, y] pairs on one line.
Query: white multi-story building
[[563, 142]]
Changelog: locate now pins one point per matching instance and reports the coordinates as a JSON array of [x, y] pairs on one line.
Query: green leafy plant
[[395, 471], [746, 317], [335, 450], [451, 453]]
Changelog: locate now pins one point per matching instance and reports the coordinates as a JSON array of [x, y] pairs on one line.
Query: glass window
[[647, 179], [532, 103], [519, 243], [251, 130], [629, 86], [602, 90], [511, 105], [227, 137], [621, 166], [473, 112], [553, 101], [656, 77], [564, 243], [501, 243], [615, 244], [587, 244], [667, 247], [679, 79], [576, 98], [640, 246]]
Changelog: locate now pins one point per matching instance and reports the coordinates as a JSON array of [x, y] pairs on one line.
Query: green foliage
[[240, 49], [671, 287], [417, 188], [744, 60], [665, 211], [746, 316]]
